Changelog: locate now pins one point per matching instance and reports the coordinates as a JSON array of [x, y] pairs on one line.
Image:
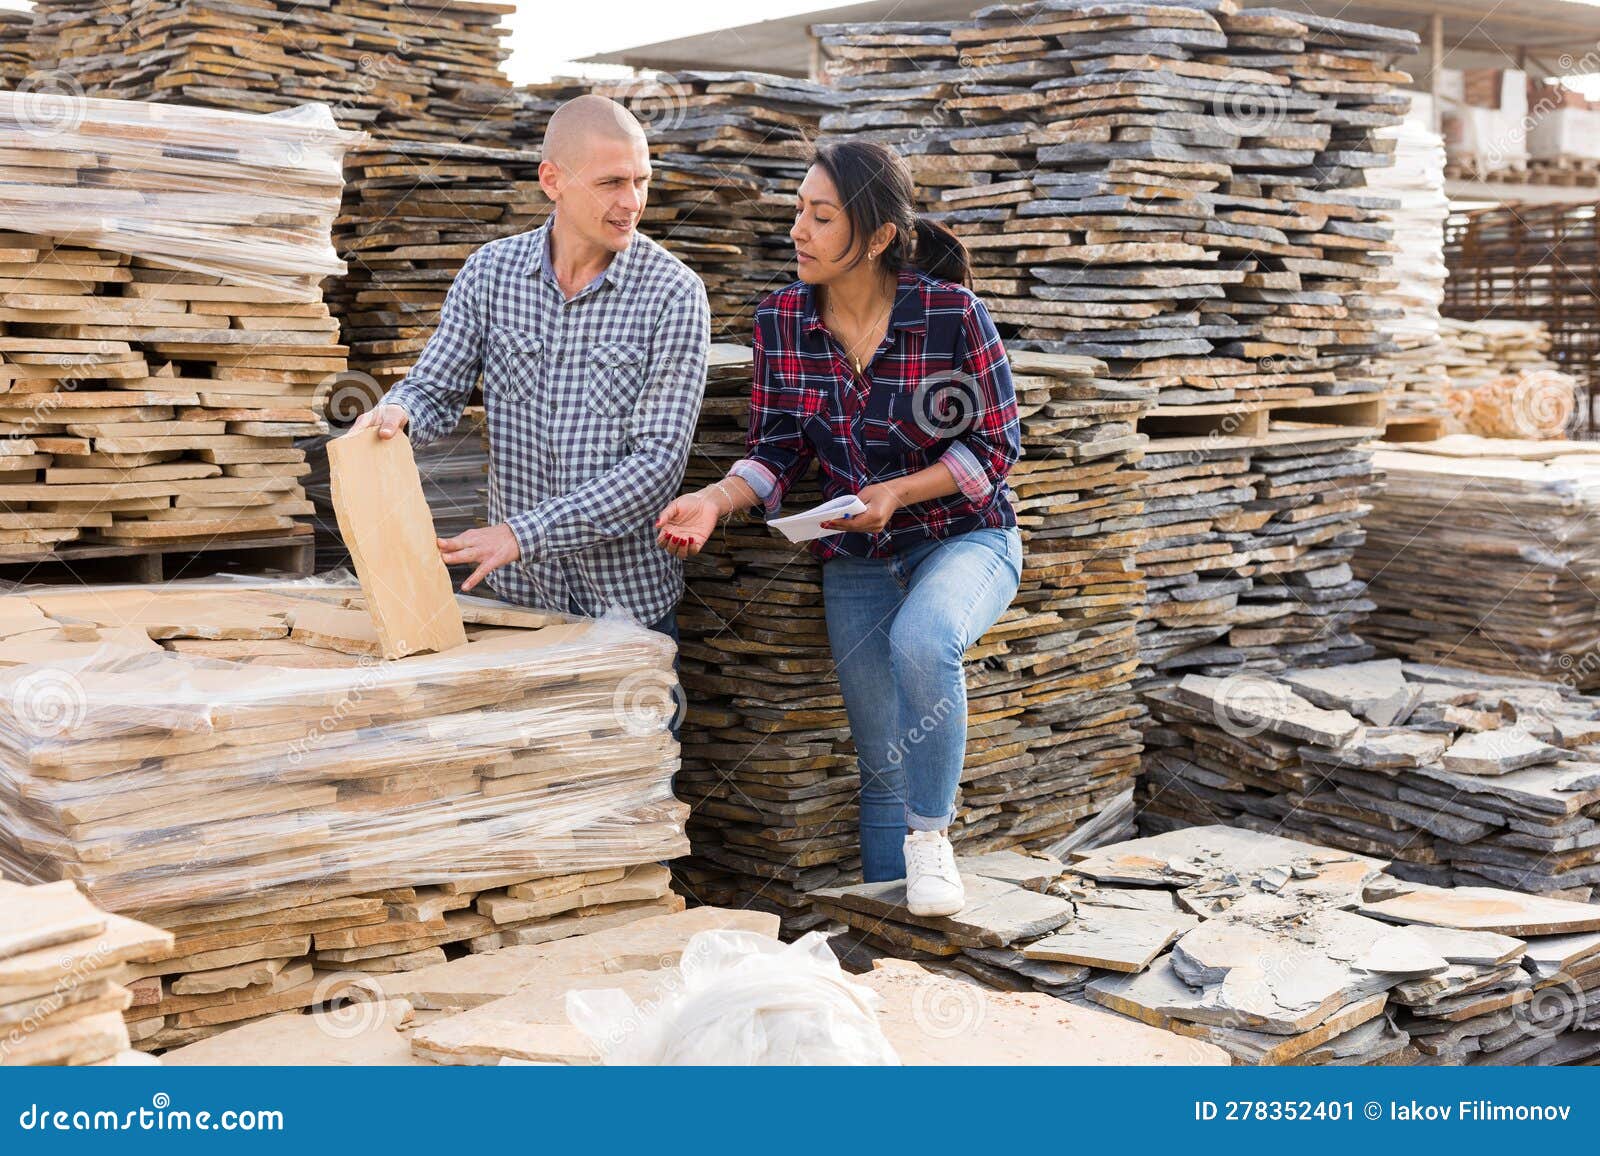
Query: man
[[591, 341]]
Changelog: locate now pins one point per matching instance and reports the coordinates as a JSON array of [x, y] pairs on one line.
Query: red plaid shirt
[[937, 390]]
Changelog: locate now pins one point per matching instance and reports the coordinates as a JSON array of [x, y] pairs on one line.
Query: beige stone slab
[[933, 1019], [384, 520], [477, 979], [70, 1042], [1487, 909], [32, 918], [366, 1035], [123, 939], [240, 975], [642, 883]]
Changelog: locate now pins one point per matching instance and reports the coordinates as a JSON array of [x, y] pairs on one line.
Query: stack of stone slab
[[896, 78], [1457, 777], [1052, 736], [425, 70], [730, 150], [1516, 521], [1179, 192], [165, 337], [62, 962], [1415, 373], [16, 50], [1276, 951], [238, 764], [412, 215]]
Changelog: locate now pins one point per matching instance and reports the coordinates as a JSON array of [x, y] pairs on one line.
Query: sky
[[546, 35]]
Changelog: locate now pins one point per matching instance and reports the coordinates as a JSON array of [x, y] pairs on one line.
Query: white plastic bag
[[738, 998]]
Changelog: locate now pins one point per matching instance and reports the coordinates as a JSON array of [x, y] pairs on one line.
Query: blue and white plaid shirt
[[591, 407]]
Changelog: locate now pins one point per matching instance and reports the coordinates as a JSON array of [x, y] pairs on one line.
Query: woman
[[879, 365]]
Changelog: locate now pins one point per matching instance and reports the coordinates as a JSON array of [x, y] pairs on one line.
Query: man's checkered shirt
[[591, 406]]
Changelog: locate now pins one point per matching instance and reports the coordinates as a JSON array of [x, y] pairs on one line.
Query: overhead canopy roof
[[783, 45]]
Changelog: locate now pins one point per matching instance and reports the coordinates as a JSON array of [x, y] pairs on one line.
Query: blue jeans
[[898, 627]]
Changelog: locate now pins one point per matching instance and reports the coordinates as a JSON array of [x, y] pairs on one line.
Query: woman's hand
[[882, 502], [686, 524]]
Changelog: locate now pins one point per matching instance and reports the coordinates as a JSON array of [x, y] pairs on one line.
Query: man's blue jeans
[[898, 627]]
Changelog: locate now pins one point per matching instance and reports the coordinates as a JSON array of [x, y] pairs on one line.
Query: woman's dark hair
[[876, 189]]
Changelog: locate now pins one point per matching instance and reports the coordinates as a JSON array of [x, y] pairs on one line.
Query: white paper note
[[807, 525]]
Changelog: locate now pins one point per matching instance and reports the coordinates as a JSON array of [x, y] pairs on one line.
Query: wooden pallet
[[1413, 427], [1570, 172], [1270, 422], [291, 553]]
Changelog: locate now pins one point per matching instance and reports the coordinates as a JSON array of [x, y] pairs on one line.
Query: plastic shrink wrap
[[139, 762], [247, 198]]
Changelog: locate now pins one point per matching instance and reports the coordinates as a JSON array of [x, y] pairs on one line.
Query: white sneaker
[[933, 885]]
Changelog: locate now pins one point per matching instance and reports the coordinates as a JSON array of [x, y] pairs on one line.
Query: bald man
[[591, 341]]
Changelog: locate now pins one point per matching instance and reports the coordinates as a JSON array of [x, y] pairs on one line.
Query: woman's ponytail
[[940, 253]]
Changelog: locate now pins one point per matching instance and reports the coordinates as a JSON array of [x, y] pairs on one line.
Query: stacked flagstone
[[1051, 741], [1276, 951], [239, 765], [1458, 777]]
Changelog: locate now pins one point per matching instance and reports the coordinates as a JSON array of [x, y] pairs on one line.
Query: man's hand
[[685, 524], [388, 417], [491, 548], [882, 502]]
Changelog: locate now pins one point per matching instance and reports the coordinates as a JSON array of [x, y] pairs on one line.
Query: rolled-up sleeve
[[982, 455], [436, 390], [661, 428], [777, 450]]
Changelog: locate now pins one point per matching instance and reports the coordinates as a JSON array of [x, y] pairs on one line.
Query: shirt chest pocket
[[616, 378], [513, 364]]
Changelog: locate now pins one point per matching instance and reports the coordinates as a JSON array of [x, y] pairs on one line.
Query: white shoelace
[[931, 857]]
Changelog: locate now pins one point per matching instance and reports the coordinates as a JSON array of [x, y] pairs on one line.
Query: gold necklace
[[850, 351]]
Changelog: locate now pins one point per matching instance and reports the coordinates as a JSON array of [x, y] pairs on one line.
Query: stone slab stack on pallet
[[1458, 777], [1052, 737], [62, 971], [423, 70], [412, 215], [164, 336], [237, 764], [730, 150], [1277, 951], [1517, 523], [1415, 373]]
